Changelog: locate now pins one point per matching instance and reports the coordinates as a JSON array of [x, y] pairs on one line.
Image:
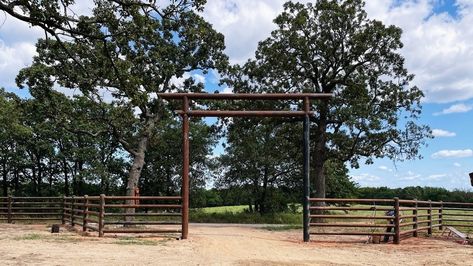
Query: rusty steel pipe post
[[63, 216], [415, 219], [306, 166], [397, 228], [85, 216], [429, 212], [101, 214], [9, 217], [441, 216], [185, 168], [73, 202]]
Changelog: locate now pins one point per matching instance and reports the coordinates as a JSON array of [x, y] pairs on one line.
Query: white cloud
[[457, 164], [12, 59], [436, 177], [453, 154], [437, 47], [366, 177], [385, 168], [227, 90], [244, 23], [456, 108], [443, 133]]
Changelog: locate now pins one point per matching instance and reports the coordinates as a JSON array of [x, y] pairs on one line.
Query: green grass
[[238, 214], [29, 237], [224, 209]]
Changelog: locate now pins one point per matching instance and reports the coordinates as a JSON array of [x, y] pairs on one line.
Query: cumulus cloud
[[453, 154], [456, 108], [436, 176], [385, 168], [366, 177], [443, 133], [437, 47], [244, 23]]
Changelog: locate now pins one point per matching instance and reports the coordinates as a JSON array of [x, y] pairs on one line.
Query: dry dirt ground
[[218, 245]]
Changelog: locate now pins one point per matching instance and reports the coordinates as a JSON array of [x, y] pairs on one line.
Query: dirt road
[[218, 245]]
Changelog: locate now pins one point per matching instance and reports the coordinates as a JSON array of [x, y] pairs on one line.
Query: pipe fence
[[386, 218], [102, 214]]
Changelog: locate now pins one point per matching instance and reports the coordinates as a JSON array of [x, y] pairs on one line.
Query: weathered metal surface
[[185, 168], [229, 113], [245, 96], [306, 171]]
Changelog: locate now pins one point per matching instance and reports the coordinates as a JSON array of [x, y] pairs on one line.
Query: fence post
[[397, 228], [429, 212], [9, 217], [84, 214], [101, 214], [414, 219], [73, 201], [441, 215], [63, 217]]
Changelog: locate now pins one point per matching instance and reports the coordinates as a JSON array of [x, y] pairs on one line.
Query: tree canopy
[[121, 55], [331, 46]]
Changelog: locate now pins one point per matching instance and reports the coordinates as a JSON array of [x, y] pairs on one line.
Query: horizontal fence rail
[[396, 218], [101, 214]]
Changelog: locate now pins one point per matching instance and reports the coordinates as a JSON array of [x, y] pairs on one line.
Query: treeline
[[420, 193], [286, 198], [60, 146]]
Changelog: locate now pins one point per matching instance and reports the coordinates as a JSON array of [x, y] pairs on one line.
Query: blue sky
[[438, 40]]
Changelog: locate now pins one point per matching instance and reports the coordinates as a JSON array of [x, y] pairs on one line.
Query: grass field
[[238, 214]]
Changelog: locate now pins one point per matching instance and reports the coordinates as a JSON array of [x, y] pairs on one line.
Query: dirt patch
[[218, 245]]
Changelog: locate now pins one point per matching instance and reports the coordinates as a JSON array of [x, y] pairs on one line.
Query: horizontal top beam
[[246, 96], [229, 113]]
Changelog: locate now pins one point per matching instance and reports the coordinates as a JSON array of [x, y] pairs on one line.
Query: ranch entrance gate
[[186, 113]]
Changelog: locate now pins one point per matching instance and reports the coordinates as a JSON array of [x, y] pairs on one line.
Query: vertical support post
[[397, 228], [9, 217], [306, 210], [429, 212], [73, 202], [441, 215], [415, 218], [63, 216], [101, 214], [185, 168], [85, 215]]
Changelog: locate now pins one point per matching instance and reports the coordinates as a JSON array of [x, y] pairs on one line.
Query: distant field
[[224, 209], [237, 214]]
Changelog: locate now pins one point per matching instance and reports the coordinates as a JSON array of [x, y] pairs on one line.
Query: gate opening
[[186, 112]]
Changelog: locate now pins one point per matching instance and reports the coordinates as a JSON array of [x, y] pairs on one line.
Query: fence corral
[[102, 214], [394, 218]]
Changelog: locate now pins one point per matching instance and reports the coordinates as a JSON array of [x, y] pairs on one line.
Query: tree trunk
[[40, 175], [17, 181], [263, 208], [5, 179], [66, 178], [135, 173], [319, 155]]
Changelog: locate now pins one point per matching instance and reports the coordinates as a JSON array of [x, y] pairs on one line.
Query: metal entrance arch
[[186, 113]]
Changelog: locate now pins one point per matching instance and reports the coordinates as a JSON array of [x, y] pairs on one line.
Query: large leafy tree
[[330, 46], [122, 54], [264, 158]]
